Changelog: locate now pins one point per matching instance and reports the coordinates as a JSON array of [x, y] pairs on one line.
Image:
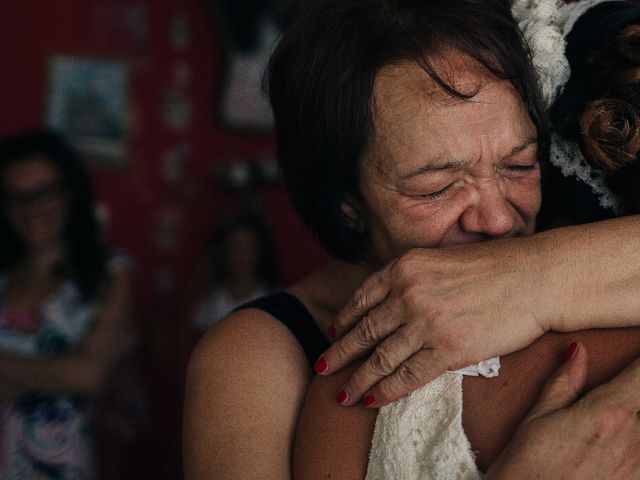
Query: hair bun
[[610, 133]]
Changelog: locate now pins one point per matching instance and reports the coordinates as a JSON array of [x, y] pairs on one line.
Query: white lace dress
[[420, 436]]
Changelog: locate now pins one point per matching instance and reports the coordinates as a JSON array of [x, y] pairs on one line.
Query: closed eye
[[522, 168], [439, 194]]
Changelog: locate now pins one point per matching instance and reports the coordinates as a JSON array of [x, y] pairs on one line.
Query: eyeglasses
[[40, 195]]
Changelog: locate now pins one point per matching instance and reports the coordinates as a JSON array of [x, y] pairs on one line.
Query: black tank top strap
[[295, 316]]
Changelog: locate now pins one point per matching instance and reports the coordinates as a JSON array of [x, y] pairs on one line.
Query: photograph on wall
[[250, 30], [87, 102]]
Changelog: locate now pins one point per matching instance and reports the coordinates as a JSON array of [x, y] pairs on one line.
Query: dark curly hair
[[86, 256], [600, 107], [610, 125], [321, 79]]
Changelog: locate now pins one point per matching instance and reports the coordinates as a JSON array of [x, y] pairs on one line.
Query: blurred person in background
[[65, 310], [243, 264]]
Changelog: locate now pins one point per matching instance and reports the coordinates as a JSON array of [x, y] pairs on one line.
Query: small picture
[[87, 102]]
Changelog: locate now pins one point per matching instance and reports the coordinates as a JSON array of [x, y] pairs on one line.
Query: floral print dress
[[46, 436]]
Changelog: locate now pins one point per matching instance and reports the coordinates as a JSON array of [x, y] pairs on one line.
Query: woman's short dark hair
[[321, 79], [85, 260]]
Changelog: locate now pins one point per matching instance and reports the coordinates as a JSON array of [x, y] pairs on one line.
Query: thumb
[[563, 388]]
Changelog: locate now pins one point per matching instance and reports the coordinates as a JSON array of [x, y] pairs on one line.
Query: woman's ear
[[354, 218]]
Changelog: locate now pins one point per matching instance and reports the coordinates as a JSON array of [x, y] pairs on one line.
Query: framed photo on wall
[[249, 30], [87, 101]]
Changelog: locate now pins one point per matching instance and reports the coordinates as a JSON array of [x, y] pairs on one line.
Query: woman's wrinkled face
[[442, 171], [34, 201]]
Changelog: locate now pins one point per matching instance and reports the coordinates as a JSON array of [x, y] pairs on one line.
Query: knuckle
[[381, 361], [412, 338], [386, 395], [404, 265], [388, 391], [359, 299], [411, 297], [398, 267], [412, 257], [408, 375], [558, 383], [341, 349], [558, 386], [419, 304], [365, 332], [383, 393]]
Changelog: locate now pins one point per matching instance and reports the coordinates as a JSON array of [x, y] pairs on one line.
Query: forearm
[[74, 373], [590, 275], [84, 370], [10, 390]]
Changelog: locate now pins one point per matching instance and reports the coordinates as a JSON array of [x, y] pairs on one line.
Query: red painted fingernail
[[321, 365], [332, 331], [369, 401], [571, 351], [342, 396]]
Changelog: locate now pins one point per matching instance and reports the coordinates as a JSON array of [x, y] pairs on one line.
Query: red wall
[[31, 32]]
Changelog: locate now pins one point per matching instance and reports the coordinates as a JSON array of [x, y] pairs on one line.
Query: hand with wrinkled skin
[[563, 437], [423, 324], [434, 310]]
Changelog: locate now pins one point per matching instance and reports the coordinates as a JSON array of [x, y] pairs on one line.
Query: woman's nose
[[489, 212]]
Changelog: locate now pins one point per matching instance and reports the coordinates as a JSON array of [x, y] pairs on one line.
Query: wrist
[[592, 274], [544, 272], [531, 258]]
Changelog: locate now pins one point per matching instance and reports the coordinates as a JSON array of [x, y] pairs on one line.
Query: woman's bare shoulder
[[245, 386], [254, 331], [332, 441], [490, 424]]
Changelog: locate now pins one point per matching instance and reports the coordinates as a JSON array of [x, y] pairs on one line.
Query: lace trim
[[569, 159], [486, 368], [545, 24], [420, 436], [542, 22]]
